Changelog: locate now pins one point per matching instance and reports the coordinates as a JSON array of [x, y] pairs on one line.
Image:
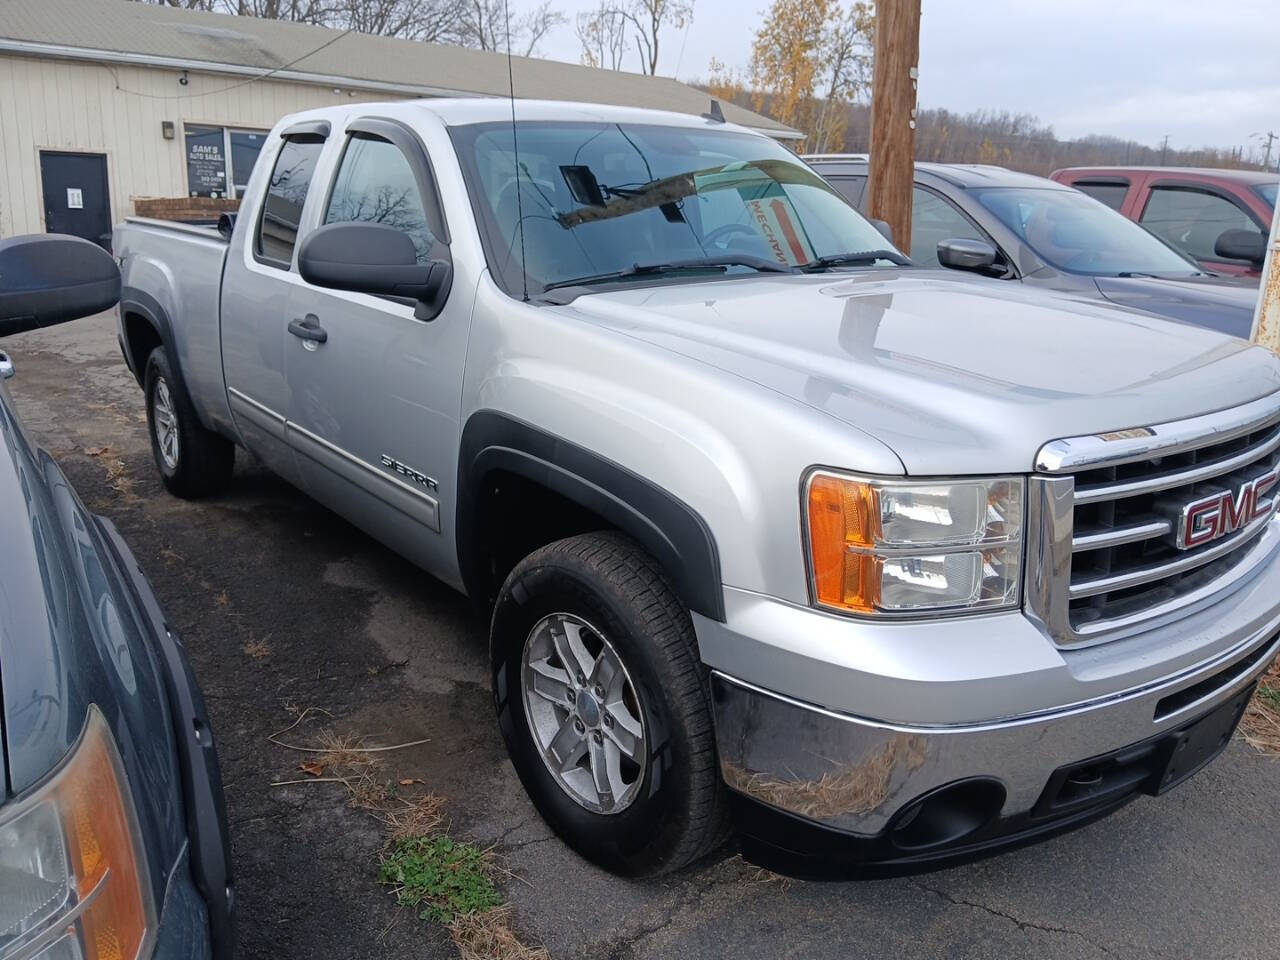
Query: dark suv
[[113, 836], [1018, 227], [1219, 217]]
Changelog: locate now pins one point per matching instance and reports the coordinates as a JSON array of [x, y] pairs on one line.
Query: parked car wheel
[[193, 462], [605, 705]]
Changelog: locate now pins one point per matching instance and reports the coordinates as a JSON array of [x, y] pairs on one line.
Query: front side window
[[286, 195], [1192, 220], [1112, 194], [1077, 234], [1268, 192], [375, 184], [603, 198], [933, 220]]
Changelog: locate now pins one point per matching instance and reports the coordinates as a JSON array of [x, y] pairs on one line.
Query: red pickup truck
[[1220, 217]]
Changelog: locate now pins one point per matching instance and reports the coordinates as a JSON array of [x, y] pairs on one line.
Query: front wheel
[[193, 462], [605, 707]]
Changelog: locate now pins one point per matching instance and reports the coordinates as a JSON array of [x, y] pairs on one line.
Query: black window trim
[[1012, 270], [288, 136]]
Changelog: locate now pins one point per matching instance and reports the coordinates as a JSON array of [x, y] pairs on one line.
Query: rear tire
[[639, 703], [193, 462]]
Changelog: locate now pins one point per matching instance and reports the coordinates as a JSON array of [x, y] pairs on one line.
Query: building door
[[76, 199]]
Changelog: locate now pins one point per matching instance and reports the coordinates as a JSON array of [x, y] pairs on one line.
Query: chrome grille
[[1105, 530]]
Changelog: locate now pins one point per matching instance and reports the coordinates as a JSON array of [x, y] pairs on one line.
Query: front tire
[[193, 462], [605, 705]]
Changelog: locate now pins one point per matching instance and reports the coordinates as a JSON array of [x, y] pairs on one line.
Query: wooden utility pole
[[893, 115]]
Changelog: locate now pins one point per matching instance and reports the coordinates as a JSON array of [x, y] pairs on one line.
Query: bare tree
[[603, 35], [483, 25], [434, 21], [606, 31], [648, 17]]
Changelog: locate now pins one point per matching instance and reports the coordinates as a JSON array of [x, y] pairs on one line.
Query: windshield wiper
[[862, 257], [675, 266]]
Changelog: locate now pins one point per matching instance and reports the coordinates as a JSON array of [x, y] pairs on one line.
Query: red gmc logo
[[1205, 520]]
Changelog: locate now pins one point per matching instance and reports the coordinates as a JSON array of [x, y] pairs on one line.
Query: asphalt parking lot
[[286, 608]]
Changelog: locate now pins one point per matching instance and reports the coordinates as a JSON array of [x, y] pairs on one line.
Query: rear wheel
[[193, 462], [605, 706]]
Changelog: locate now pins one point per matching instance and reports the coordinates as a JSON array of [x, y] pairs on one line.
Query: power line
[[234, 86]]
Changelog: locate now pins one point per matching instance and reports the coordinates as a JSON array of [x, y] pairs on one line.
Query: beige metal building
[[106, 102]]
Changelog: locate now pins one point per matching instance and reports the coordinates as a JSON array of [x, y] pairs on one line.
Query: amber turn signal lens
[[843, 514], [104, 857]]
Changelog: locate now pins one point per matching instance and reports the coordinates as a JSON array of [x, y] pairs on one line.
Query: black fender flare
[[672, 531], [133, 300]]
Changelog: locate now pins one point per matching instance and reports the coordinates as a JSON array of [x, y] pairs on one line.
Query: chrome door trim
[[260, 415], [415, 504]]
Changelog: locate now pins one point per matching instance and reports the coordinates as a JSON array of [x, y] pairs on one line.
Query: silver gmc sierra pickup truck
[[888, 566]]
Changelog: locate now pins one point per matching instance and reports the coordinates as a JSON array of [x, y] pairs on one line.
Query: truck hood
[[954, 375], [1219, 303]]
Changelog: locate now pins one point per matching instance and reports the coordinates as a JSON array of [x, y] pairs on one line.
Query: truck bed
[[175, 270]]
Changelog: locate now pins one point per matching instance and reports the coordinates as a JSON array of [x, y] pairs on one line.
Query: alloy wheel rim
[[584, 713], [165, 421]]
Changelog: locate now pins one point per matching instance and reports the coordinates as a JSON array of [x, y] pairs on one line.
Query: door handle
[[309, 329]]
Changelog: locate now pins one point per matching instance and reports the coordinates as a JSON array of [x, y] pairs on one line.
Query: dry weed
[[488, 935]]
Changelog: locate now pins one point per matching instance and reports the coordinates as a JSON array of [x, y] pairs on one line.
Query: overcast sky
[[1203, 73]]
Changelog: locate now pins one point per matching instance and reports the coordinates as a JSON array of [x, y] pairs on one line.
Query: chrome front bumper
[[855, 775]]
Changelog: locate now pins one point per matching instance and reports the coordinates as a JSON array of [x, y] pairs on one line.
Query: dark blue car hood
[[1219, 303]]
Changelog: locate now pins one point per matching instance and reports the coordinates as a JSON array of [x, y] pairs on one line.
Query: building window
[[220, 159]]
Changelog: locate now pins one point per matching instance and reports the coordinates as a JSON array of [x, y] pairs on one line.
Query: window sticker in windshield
[[773, 215]]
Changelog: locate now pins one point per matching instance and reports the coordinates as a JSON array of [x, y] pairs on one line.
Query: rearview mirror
[[49, 278], [1241, 245], [961, 253], [377, 259]]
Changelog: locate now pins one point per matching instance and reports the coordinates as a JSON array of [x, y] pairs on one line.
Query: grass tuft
[[443, 876], [1261, 725]]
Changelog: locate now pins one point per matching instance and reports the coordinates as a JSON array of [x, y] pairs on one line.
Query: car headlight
[[894, 547], [73, 882]]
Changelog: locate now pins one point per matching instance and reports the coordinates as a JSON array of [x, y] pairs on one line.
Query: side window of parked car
[[850, 188], [1111, 193], [286, 194], [1192, 220], [375, 184], [934, 219]]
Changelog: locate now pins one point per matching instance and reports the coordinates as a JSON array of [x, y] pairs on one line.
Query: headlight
[[886, 547], [73, 883]]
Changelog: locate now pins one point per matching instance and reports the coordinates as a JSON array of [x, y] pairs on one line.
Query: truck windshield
[[599, 200], [1077, 234]]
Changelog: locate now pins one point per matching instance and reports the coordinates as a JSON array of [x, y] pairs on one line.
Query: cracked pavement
[[284, 606]]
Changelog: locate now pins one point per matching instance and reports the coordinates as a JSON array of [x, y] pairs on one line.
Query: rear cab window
[[291, 175], [1110, 192]]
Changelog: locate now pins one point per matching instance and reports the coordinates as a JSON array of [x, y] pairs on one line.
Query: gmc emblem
[[1205, 520]]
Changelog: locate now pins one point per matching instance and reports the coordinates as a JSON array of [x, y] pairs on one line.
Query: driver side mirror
[[50, 278], [1241, 245], [376, 259], [975, 256]]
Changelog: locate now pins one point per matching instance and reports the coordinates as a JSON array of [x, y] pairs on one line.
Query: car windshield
[[1077, 234], [599, 200], [1268, 191]]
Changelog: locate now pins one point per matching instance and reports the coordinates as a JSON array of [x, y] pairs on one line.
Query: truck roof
[[964, 175], [1243, 176], [461, 111]]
